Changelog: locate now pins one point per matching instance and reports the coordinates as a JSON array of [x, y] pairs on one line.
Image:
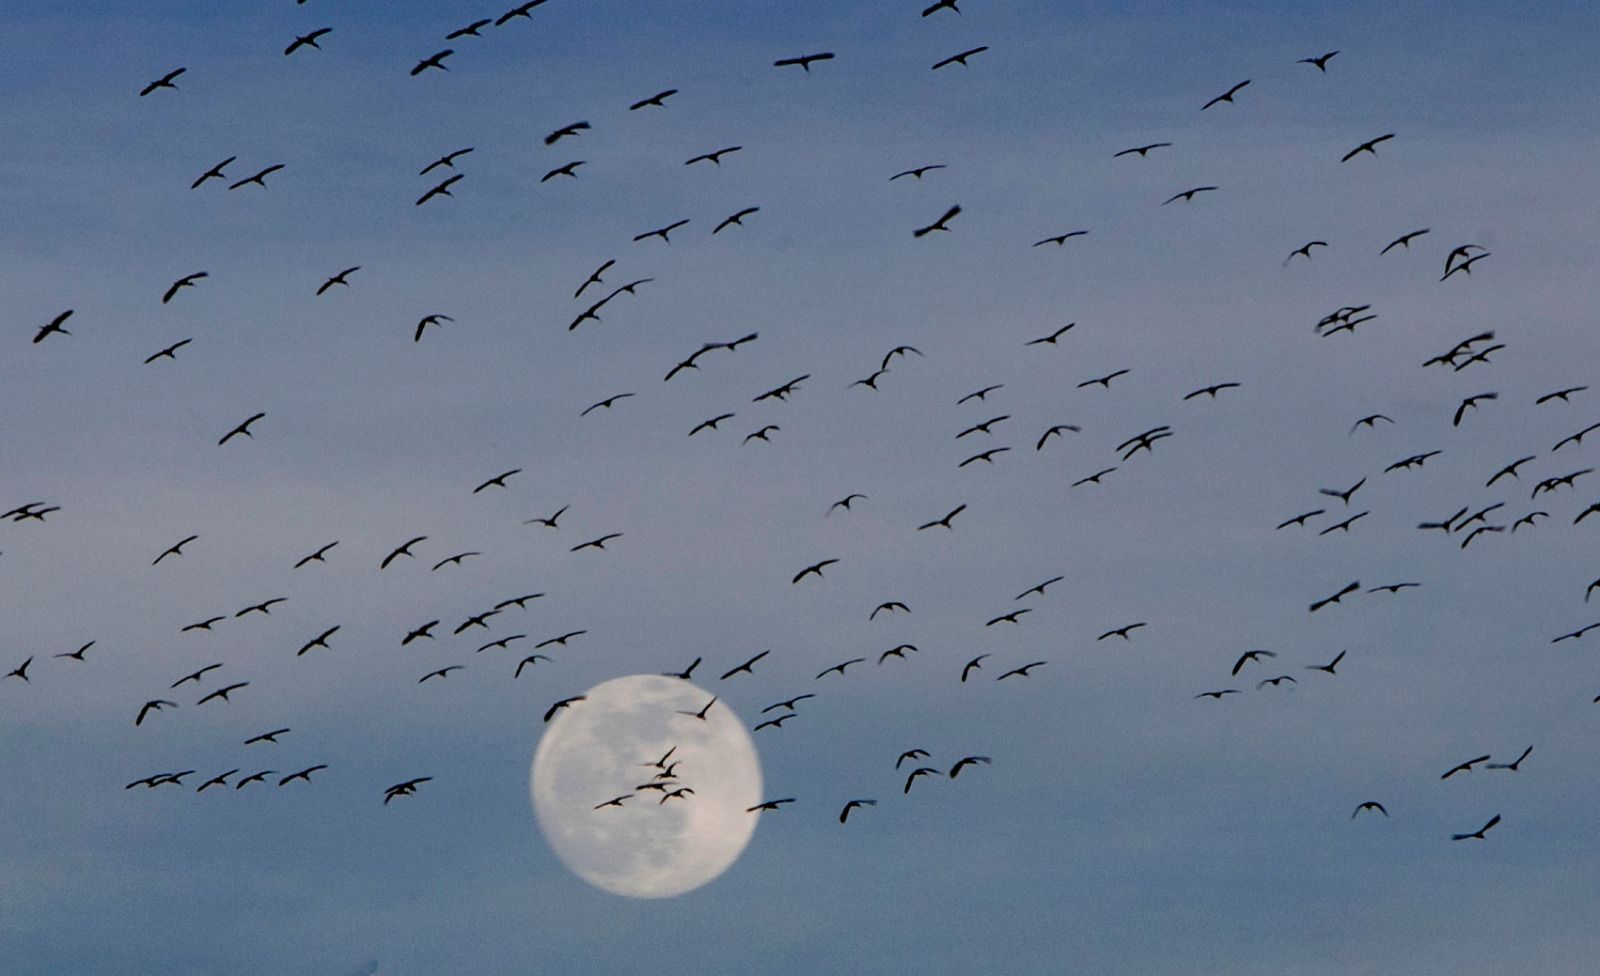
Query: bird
[[599, 543], [222, 693], [262, 608], [1366, 147], [984, 393], [701, 714], [1044, 340], [770, 804], [321, 640], [549, 521], [1275, 682], [945, 521], [563, 703], [911, 754], [1040, 587], [1510, 469], [1471, 401], [1249, 656], [1330, 666], [657, 100], [662, 232], [187, 281], [1008, 618], [961, 58], [530, 659], [615, 801], [736, 219], [420, 632], [1404, 240], [1060, 239], [521, 10], [1187, 195], [710, 424], [844, 814], [1575, 438], [471, 30], [805, 61], [498, 480], [434, 60], [448, 160], [1559, 395], [1226, 96], [1105, 381], [870, 381], [443, 672], [307, 40], [317, 556], [1349, 588], [203, 624], [434, 319], [746, 667], [1217, 695], [714, 158], [562, 640], [1303, 250], [304, 774], [21, 670], [1320, 62], [973, 665], [1121, 632], [566, 169], [165, 81], [1093, 478], [1141, 151], [1514, 764], [919, 771], [985, 456], [1479, 833], [1344, 495], [1394, 587], [476, 620], [788, 703], [176, 549], [1576, 634], [259, 179], [683, 675], [338, 279], [898, 651], [1370, 420], [219, 780], [195, 676], [1211, 390], [1465, 266], [154, 705], [966, 761], [888, 607], [1022, 672], [243, 428], [917, 172], [564, 132], [1463, 767], [1369, 805], [782, 392], [937, 224], [271, 737], [441, 189], [606, 403], [813, 568], [214, 173], [170, 352], [403, 550], [839, 667], [408, 788], [76, 655], [53, 327]]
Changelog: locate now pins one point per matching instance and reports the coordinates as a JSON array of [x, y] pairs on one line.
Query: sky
[[1124, 825]]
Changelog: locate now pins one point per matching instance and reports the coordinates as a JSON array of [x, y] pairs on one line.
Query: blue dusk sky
[[1124, 825]]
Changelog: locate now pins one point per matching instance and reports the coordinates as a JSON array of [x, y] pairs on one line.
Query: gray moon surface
[[606, 746]]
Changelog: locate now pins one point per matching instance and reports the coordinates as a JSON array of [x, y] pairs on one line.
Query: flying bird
[[804, 61], [1021, 672], [937, 224], [259, 179], [1187, 195], [1349, 588], [187, 281], [658, 100], [154, 705], [568, 169], [304, 774], [1404, 240], [1320, 62], [945, 521], [471, 30], [498, 481], [1463, 767], [1370, 146], [404, 550], [1514, 764], [214, 173], [961, 58], [222, 693], [1369, 805], [917, 172], [746, 667], [714, 158], [434, 60], [176, 549], [307, 40], [662, 232], [448, 160], [442, 189], [165, 81], [564, 132], [243, 428], [1060, 239], [1226, 96], [814, 568], [1141, 151], [1479, 833]]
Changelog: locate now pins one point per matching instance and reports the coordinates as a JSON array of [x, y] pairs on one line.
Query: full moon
[[637, 795]]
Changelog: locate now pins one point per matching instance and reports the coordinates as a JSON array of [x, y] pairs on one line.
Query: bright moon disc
[[630, 739]]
